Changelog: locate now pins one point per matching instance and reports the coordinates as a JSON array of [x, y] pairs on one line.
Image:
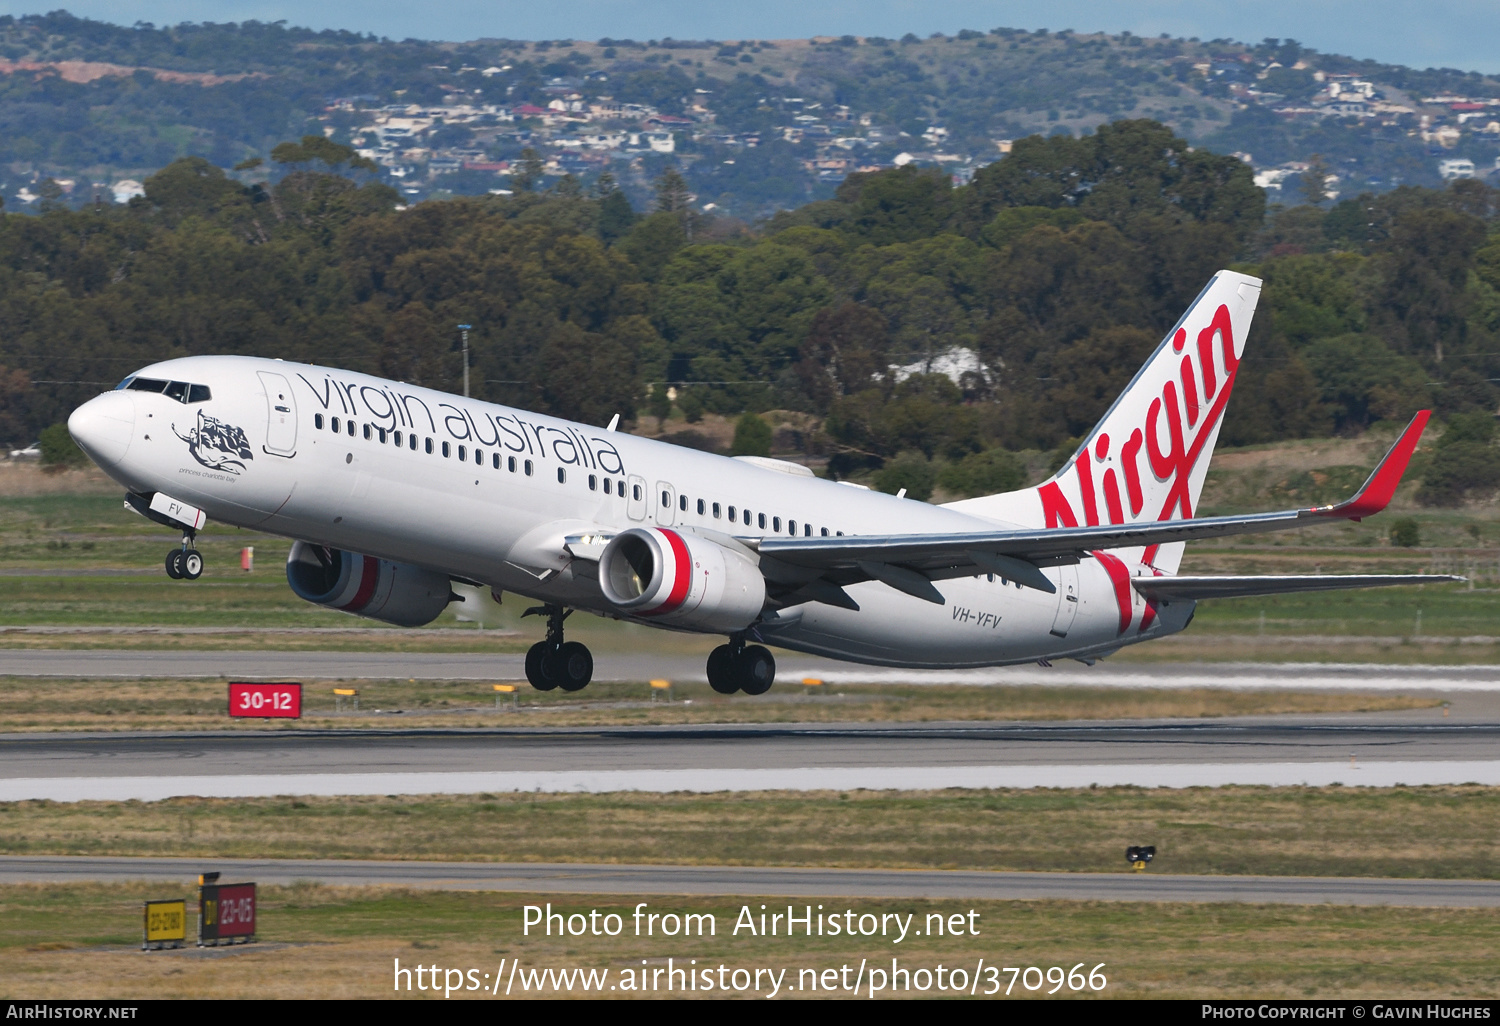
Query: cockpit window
[[182, 391]]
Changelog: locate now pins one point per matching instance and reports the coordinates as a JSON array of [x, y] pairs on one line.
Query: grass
[[1425, 832], [76, 941], [33, 704]]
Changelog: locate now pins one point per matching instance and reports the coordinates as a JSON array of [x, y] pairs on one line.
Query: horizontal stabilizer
[[1169, 589]]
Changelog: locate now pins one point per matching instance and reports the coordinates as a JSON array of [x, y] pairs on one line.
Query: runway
[[1414, 747], [109, 664], [762, 881]]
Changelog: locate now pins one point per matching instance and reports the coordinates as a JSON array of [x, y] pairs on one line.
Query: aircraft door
[[281, 414], [665, 500], [1067, 599], [635, 505]]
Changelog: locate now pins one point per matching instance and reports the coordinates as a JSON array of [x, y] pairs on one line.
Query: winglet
[[1377, 491]]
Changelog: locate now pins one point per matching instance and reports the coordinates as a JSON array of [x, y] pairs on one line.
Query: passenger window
[[824, 532], [335, 425], [318, 421], [562, 476], [396, 437], [666, 500], [350, 426], [447, 450], [620, 489], [635, 492], [412, 439], [761, 520], [366, 429], [199, 394], [731, 514], [593, 482], [716, 511], [479, 457], [607, 483], [791, 527], [839, 533], [495, 461], [528, 468], [511, 464], [463, 451], [701, 507], [682, 503], [429, 447], [807, 530], [381, 433]]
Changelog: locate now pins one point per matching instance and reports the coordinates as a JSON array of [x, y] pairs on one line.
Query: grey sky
[[1448, 33]]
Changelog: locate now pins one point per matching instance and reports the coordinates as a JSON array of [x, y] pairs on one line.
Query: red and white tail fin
[[1147, 459]]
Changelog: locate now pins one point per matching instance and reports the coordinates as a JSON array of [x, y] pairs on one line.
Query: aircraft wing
[[910, 562], [1170, 589]]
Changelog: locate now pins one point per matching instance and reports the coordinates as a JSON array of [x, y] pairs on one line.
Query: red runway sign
[[226, 911], [265, 701]]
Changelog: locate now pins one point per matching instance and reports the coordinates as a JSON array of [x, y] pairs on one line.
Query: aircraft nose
[[102, 427]]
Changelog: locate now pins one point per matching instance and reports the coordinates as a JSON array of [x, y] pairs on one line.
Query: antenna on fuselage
[[465, 329], [614, 422]]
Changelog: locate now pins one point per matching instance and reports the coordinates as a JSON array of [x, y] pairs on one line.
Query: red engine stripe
[[367, 584], [682, 577]]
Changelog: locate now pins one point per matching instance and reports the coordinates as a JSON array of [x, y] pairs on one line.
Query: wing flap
[[1170, 589]]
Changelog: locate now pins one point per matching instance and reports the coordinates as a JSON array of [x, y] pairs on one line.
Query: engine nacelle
[[407, 596], [681, 579]]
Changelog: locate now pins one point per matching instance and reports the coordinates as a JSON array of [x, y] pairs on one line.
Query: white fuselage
[[263, 453]]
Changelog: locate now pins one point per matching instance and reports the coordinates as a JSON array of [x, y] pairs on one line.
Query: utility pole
[[465, 329]]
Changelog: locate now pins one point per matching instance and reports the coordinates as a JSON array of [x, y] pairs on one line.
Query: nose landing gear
[[185, 563], [738, 667], [555, 663]]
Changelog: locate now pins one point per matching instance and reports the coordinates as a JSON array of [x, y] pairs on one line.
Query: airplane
[[391, 492]]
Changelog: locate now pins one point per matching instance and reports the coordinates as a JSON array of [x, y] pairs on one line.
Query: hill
[[756, 125], [918, 331]]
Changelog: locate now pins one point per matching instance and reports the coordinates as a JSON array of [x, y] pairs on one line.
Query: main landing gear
[[186, 563], [738, 667], [555, 663]]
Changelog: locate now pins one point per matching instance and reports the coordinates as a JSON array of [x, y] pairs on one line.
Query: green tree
[[527, 173], [59, 450], [1465, 463], [911, 471], [318, 149], [1406, 533], [982, 473], [752, 436], [1315, 181]]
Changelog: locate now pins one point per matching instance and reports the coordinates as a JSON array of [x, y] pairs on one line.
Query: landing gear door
[[665, 501], [635, 505], [1067, 600], [281, 411]]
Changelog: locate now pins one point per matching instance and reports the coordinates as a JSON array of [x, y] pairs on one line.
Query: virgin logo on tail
[[1141, 462]]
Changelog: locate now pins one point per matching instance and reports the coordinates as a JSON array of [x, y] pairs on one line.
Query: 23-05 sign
[[226, 911], [265, 701]]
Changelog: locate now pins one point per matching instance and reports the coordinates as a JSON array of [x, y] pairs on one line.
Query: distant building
[[126, 189], [1457, 168]]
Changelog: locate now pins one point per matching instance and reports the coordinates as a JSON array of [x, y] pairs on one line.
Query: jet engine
[[396, 593], [681, 579]]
